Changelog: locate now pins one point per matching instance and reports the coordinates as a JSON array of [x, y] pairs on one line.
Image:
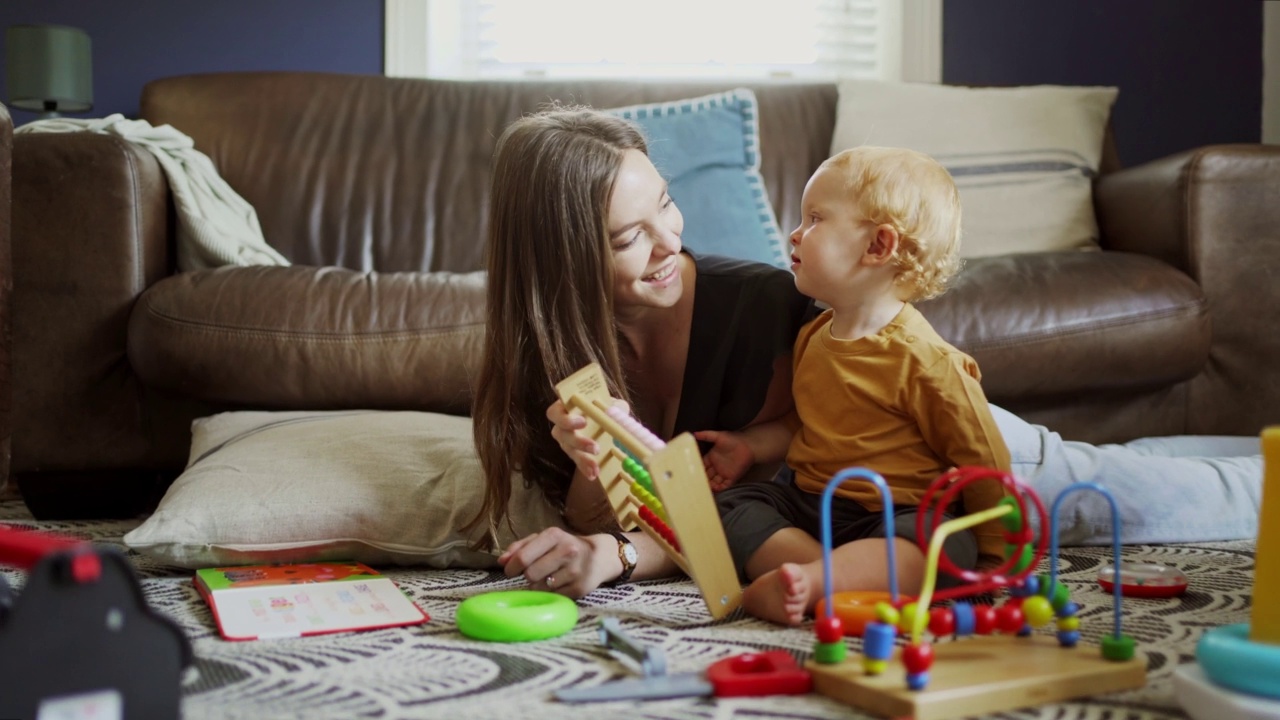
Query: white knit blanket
[[215, 225]]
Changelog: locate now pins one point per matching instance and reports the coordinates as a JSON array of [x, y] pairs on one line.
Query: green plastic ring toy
[[516, 616]]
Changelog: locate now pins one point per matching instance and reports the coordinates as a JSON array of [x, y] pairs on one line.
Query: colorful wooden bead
[[965, 621], [1068, 609], [1058, 593], [877, 640], [1024, 560], [830, 653], [1011, 520], [942, 622], [1117, 648], [1009, 618], [1037, 610], [917, 681], [887, 613], [872, 666], [1069, 623], [917, 658], [1068, 638], [907, 617], [984, 619], [829, 629]]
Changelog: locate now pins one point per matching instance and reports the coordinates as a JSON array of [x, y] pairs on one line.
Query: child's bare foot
[[780, 596]]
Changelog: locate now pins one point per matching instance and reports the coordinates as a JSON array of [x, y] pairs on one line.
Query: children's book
[[278, 601]]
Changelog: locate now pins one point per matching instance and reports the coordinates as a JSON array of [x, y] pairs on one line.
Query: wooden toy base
[[976, 675]]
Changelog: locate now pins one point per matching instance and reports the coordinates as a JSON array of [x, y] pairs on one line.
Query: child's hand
[[728, 459]]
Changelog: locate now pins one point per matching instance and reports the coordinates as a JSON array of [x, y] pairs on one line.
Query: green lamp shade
[[50, 68]]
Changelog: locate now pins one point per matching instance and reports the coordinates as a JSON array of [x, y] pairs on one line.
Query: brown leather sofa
[[376, 190]]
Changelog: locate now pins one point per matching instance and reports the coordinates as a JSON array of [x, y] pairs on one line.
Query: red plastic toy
[[755, 674]]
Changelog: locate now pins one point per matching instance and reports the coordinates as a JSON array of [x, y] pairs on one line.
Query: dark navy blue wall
[[1189, 71], [139, 40]]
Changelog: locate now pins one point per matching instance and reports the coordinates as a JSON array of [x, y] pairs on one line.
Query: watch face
[[630, 553]]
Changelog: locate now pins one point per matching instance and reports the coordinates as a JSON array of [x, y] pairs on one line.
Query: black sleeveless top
[[745, 315]]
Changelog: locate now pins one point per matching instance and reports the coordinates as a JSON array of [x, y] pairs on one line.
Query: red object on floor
[[755, 674]]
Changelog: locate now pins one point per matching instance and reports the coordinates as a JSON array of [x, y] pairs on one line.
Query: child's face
[[827, 248]]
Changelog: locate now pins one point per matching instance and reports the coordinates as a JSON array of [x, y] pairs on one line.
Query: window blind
[[809, 39]]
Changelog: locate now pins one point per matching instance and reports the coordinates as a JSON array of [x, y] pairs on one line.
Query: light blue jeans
[[1186, 488]]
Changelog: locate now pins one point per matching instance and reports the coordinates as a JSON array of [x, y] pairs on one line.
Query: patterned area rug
[[431, 671]]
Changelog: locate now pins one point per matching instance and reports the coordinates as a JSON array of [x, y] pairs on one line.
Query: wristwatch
[[627, 554]]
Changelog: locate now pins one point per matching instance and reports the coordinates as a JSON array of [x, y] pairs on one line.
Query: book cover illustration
[[278, 601]]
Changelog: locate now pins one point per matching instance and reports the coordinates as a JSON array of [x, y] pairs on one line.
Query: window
[[803, 39]]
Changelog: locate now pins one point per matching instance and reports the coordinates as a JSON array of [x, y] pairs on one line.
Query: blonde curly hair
[[912, 193]]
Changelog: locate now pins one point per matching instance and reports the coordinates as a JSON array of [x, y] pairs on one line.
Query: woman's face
[[644, 233]]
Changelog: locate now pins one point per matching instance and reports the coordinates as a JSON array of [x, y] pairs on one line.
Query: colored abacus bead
[[965, 621], [829, 629], [1068, 609], [877, 640], [1009, 618], [1068, 638], [917, 658], [1037, 610], [942, 622], [984, 619], [1068, 623]]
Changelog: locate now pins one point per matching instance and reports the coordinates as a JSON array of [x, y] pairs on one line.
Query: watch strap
[[628, 565]]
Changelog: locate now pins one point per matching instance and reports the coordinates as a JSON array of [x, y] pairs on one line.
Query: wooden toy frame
[[679, 482]]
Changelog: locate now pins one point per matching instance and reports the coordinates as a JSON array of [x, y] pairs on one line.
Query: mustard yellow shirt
[[902, 402]]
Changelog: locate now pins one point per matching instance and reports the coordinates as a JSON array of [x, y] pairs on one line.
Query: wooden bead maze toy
[[659, 486], [983, 674]]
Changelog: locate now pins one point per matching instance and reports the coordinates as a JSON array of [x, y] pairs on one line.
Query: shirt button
[[911, 338]]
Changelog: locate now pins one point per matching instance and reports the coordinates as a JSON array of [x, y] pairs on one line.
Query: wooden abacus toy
[[983, 674], [659, 486]]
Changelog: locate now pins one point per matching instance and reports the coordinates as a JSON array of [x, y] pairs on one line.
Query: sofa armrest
[[1213, 213], [91, 231]]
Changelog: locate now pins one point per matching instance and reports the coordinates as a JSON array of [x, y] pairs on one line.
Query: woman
[[586, 265]]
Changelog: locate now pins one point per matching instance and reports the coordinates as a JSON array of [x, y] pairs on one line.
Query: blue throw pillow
[[708, 149]]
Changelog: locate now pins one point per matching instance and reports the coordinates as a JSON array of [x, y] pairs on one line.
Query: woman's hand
[[729, 458], [560, 561], [567, 427]]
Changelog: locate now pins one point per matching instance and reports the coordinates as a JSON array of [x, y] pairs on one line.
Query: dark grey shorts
[[752, 512]]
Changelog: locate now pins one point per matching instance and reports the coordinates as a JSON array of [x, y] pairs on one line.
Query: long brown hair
[[550, 291]]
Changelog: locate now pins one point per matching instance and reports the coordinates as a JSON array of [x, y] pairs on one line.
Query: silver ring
[[550, 579]]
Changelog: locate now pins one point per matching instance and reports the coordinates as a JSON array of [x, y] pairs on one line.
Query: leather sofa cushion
[[1048, 325], [1040, 325], [312, 337]]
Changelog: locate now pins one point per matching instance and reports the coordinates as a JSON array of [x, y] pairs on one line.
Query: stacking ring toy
[[1231, 659], [516, 616], [855, 608], [1144, 580]]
